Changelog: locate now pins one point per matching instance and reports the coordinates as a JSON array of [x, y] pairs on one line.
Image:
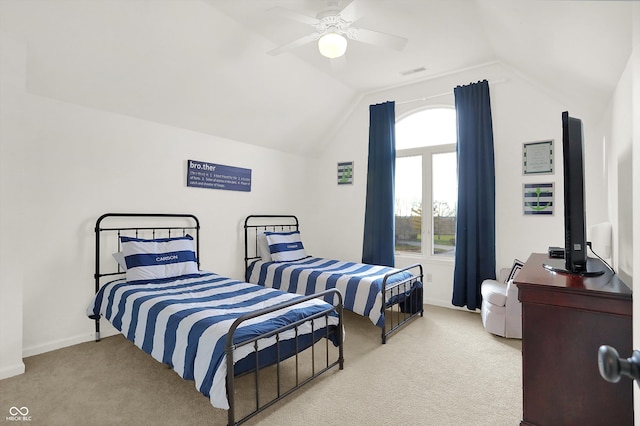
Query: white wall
[[12, 60], [617, 157], [522, 112], [63, 165]]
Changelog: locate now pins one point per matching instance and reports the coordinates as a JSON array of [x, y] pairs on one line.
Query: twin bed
[[212, 329], [275, 257], [207, 327]]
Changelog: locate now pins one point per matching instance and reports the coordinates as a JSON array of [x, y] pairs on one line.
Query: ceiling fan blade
[[296, 43], [378, 38], [353, 11], [296, 16]]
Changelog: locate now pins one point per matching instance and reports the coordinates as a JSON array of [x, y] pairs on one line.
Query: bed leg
[[97, 330]]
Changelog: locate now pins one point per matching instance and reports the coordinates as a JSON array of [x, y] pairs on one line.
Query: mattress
[[183, 322], [360, 284]]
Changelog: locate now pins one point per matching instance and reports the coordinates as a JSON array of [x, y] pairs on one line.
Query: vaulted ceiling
[[203, 64]]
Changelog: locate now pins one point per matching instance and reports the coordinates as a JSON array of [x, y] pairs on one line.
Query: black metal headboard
[[140, 225], [255, 224]]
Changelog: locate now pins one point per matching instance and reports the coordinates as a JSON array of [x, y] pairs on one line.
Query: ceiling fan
[[333, 26]]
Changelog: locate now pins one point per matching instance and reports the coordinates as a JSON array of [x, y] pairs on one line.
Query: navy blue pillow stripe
[[125, 239], [152, 259], [280, 247]]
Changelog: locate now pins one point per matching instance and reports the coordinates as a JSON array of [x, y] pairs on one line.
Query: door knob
[[612, 367]]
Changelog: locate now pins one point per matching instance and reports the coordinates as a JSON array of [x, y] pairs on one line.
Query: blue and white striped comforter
[[360, 284], [183, 322]]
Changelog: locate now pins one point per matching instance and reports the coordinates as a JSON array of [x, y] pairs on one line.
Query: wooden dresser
[[565, 319]]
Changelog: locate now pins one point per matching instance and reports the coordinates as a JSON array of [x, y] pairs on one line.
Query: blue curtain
[[475, 258], [378, 244]]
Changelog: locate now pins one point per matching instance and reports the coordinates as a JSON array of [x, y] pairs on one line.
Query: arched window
[[426, 176]]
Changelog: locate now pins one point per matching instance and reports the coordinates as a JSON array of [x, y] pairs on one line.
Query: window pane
[[445, 199], [429, 127], [408, 204]]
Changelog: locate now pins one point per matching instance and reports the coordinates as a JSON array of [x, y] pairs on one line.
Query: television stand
[[558, 265], [565, 320]]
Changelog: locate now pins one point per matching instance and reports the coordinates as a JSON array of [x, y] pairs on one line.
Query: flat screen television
[[575, 233]]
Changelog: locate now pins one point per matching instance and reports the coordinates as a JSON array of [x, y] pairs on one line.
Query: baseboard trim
[[63, 343], [14, 370], [56, 344], [444, 304]]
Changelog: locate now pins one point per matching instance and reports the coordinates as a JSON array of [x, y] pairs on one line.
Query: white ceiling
[[583, 44], [202, 64]]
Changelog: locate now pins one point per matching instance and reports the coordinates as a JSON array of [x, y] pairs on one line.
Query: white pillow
[[517, 265], [285, 246], [263, 247], [159, 258], [119, 257]]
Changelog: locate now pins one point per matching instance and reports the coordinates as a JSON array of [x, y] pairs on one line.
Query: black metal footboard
[[318, 320], [402, 300]]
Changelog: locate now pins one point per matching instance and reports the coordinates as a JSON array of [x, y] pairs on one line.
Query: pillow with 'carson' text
[[159, 258], [285, 246]]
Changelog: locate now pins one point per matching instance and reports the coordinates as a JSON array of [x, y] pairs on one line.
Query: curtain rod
[[426, 98]]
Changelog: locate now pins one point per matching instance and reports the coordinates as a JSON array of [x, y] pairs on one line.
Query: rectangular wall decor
[[345, 173], [538, 198], [218, 176], [537, 158]]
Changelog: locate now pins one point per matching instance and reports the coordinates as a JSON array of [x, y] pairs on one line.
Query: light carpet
[[441, 369]]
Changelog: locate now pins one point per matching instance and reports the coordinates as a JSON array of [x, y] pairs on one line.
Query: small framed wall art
[[538, 198], [345, 173], [537, 158]]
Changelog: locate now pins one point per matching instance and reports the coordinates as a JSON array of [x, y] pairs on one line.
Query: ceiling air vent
[[413, 71]]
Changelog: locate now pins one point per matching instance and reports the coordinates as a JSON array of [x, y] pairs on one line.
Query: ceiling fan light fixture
[[332, 45]]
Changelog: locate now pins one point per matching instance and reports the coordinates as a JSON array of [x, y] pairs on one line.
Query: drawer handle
[[612, 367]]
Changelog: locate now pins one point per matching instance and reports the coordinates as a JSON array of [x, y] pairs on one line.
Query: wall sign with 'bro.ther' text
[[218, 176]]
